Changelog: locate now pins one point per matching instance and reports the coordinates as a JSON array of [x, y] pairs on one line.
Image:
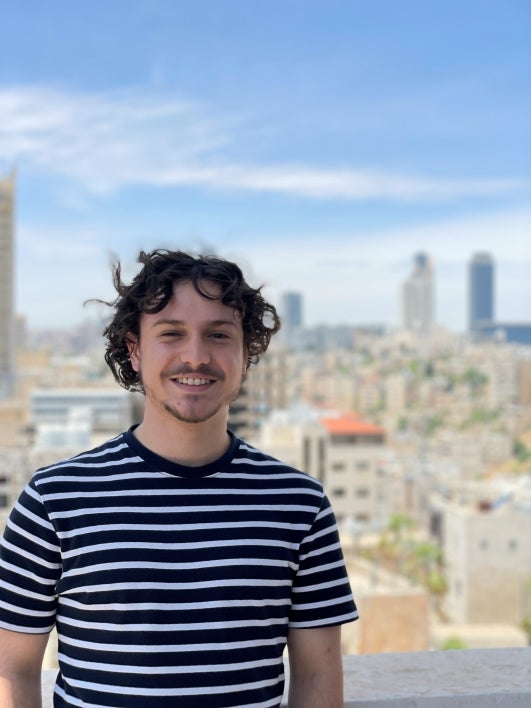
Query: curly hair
[[151, 290]]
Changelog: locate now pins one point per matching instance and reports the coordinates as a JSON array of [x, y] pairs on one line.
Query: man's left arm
[[316, 669]]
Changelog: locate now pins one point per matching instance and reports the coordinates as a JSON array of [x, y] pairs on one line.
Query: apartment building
[[344, 452], [487, 550]]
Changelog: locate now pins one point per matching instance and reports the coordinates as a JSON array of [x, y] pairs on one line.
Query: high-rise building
[[291, 316], [291, 310], [7, 326], [480, 291], [418, 301]]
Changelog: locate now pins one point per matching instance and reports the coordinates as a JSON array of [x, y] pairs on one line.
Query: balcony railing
[[471, 678]]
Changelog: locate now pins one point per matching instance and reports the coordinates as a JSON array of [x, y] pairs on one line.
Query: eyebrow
[[182, 323]]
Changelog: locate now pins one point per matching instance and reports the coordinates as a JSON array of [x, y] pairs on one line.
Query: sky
[[319, 144]]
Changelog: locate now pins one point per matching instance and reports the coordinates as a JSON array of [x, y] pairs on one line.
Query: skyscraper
[[290, 312], [480, 291], [7, 344], [418, 300]]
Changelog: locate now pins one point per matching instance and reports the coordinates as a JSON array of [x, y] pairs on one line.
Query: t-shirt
[[171, 585]]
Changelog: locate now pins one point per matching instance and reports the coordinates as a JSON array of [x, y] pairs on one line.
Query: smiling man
[[176, 561]]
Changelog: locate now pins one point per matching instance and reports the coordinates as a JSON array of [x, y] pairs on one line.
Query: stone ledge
[[482, 678]]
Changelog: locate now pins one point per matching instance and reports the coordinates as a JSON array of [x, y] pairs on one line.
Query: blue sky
[[321, 144]]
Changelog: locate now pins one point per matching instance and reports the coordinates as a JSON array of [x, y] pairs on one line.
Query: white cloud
[[116, 139]]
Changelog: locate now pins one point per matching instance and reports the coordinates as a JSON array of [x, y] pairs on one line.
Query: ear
[[133, 347]]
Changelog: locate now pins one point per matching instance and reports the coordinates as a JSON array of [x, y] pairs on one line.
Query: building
[[344, 452], [480, 292], [291, 310], [291, 314], [487, 550], [7, 325], [418, 301], [510, 332]]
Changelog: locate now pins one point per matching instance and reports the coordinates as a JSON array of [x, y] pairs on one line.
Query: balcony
[[472, 678]]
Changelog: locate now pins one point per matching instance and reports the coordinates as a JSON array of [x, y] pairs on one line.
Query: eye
[[220, 335]]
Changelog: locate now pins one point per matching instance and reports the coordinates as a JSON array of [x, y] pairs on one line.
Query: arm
[[20, 669], [316, 670]]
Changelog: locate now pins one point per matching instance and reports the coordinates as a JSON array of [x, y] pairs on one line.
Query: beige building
[[487, 551], [7, 325], [344, 452]]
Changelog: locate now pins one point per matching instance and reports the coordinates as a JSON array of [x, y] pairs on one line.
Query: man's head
[[153, 287]]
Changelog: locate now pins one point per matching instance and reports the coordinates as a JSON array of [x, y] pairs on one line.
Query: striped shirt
[[170, 585]]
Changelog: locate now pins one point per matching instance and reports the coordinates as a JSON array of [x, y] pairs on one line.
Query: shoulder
[[261, 463], [111, 452]]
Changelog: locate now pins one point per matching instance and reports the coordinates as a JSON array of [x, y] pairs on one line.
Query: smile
[[192, 381]]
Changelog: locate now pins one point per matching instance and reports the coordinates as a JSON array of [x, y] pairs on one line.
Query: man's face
[[190, 356]]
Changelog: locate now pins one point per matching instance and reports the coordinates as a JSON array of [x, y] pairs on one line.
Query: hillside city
[[422, 440]]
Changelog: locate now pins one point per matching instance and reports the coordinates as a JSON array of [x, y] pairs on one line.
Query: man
[[176, 561]]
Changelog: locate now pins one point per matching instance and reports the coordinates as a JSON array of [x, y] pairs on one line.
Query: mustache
[[205, 372]]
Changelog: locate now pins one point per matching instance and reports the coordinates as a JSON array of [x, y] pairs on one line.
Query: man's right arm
[[21, 658]]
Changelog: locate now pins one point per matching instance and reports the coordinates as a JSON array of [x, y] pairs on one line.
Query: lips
[[192, 381]]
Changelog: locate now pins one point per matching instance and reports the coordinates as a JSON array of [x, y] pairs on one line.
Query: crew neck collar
[[174, 468]]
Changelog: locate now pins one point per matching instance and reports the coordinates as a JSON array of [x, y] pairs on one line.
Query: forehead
[[188, 305]]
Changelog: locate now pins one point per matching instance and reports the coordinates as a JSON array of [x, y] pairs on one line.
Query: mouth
[[192, 380]]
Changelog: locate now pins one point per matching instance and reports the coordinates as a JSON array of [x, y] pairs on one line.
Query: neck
[[190, 444]]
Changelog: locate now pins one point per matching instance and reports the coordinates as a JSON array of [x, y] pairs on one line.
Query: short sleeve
[[30, 566], [321, 594]]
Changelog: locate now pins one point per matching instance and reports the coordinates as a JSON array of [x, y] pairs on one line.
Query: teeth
[[192, 382]]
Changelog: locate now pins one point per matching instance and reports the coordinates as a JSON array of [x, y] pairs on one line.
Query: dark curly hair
[[151, 290]]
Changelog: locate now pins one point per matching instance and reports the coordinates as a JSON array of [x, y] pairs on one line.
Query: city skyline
[[320, 146]]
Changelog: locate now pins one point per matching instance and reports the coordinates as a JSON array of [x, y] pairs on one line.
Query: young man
[[176, 561]]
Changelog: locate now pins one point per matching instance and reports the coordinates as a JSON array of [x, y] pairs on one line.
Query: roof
[[351, 424]]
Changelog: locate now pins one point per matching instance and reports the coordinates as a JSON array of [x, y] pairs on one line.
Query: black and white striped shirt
[[170, 585]]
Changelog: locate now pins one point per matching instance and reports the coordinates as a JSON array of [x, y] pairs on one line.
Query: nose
[[194, 351]]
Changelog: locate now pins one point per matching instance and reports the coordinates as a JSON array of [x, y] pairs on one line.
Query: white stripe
[[161, 546], [196, 492], [144, 565], [164, 670], [37, 541], [28, 575], [176, 627], [322, 568], [194, 691], [321, 586], [24, 611], [172, 606], [26, 593], [326, 603], [29, 556], [328, 621], [26, 630], [178, 528], [237, 582], [172, 510], [170, 648], [30, 515], [320, 551]]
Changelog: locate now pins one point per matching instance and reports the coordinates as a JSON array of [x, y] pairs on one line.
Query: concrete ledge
[[482, 678]]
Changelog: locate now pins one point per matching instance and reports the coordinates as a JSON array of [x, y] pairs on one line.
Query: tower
[[418, 296], [291, 315], [480, 291], [7, 336]]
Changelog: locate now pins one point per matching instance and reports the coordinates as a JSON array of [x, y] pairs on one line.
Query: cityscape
[[421, 437]]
